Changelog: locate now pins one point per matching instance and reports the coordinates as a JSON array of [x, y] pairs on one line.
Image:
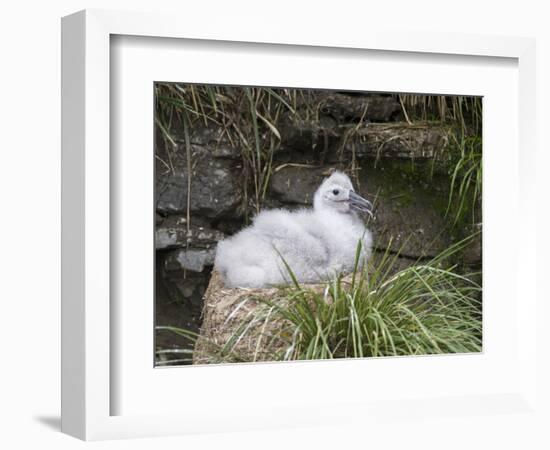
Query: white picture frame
[[89, 330]]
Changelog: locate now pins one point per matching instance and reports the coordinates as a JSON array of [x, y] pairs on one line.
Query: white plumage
[[316, 243]]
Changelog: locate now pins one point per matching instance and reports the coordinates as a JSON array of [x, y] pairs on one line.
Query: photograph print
[[306, 224]]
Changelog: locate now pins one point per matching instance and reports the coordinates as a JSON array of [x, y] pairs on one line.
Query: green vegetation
[[466, 180]]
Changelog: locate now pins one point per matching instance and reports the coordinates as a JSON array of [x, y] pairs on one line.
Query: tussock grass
[[466, 177], [465, 112]]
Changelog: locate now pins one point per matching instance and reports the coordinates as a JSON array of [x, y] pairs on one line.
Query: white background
[[29, 177]]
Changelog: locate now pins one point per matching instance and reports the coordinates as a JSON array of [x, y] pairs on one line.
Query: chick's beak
[[359, 203]]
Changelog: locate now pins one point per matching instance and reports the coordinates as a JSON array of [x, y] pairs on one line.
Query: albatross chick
[[316, 243]]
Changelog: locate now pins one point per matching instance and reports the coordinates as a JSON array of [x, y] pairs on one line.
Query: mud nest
[[238, 327]]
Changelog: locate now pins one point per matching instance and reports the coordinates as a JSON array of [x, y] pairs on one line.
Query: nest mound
[[238, 326]]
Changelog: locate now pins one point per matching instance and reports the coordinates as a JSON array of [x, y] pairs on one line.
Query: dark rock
[[409, 216], [189, 259], [296, 184], [216, 187], [473, 253], [173, 233], [180, 286], [369, 107], [178, 303], [214, 139], [211, 137], [308, 134], [171, 193], [415, 230], [399, 140]]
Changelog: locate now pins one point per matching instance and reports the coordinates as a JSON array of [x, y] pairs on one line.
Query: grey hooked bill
[[359, 203]]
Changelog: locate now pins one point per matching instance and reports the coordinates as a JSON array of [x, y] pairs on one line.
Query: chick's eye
[[335, 191]]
